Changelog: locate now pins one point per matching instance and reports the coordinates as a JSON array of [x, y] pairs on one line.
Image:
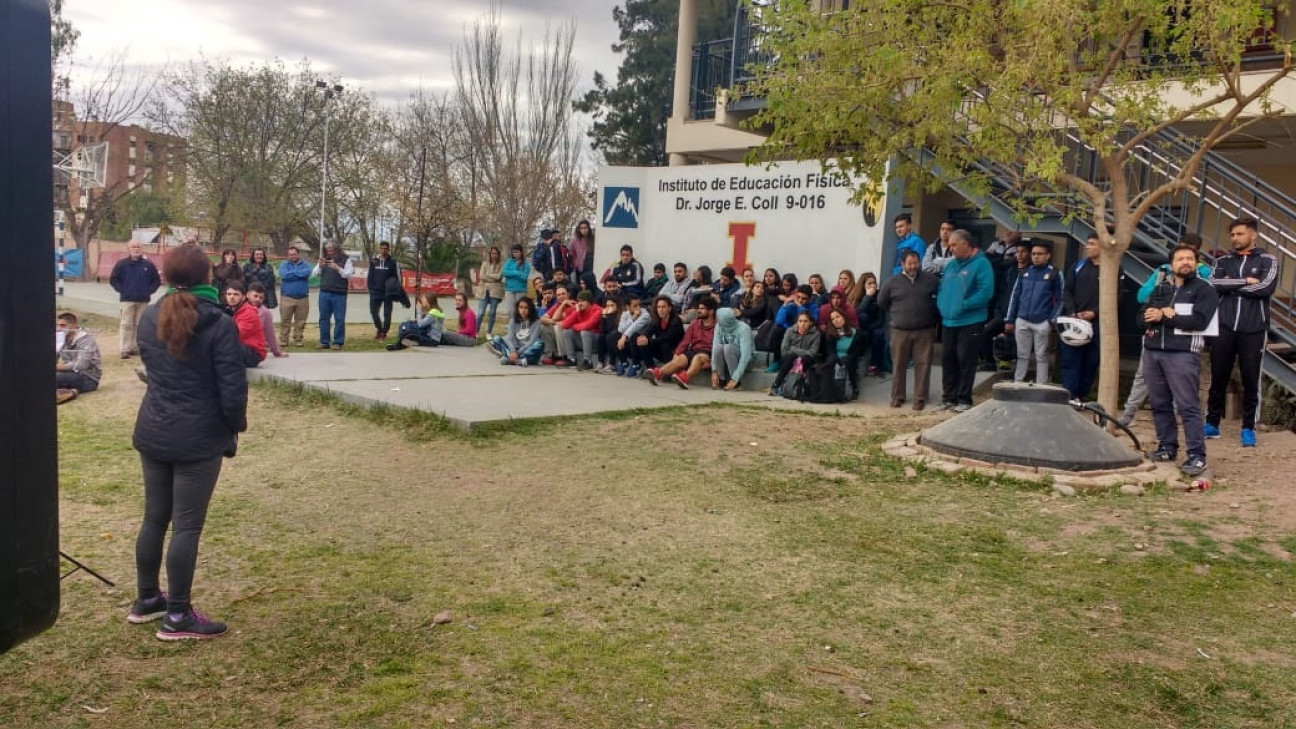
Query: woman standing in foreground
[[193, 410]]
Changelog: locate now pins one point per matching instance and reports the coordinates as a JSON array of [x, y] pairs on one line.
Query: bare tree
[[515, 110], [109, 96]]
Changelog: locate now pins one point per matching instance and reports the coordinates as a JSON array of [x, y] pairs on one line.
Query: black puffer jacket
[[193, 408]]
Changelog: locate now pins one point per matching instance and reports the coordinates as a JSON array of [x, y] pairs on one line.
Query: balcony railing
[[712, 71]]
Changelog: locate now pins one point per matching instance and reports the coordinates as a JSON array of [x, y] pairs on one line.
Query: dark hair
[[585, 296], [68, 317], [256, 287], [627, 248], [1041, 243], [551, 286], [728, 271], [705, 272], [652, 314], [532, 315], [1182, 247], [1191, 239], [237, 285], [1246, 220], [262, 251], [659, 267], [632, 297], [902, 216], [908, 253], [680, 264], [790, 278], [848, 329], [384, 244], [709, 301], [805, 289], [517, 247], [231, 252], [183, 268], [294, 248]]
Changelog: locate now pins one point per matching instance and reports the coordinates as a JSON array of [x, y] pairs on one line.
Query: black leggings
[[176, 494]]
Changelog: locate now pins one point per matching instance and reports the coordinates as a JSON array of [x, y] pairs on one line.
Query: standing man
[[78, 366], [963, 298], [382, 268], [334, 270], [938, 253], [1080, 299], [907, 239], [1245, 280], [1177, 312], [910, 302], [551, 255], [134, 278], [294, 298], [1033, 310]]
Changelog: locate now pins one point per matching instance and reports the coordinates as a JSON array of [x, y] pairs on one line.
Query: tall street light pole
[[330, 93]]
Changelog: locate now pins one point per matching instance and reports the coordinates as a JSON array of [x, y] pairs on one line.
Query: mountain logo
[[621, 207]]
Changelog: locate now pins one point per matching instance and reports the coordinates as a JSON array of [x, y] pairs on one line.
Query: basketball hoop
[[88, 164]]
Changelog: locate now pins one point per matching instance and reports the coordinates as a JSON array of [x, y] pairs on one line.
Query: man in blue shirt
[[908, 240], [294, 298]]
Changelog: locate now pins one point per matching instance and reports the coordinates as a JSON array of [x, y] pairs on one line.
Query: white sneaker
[[522, 362]]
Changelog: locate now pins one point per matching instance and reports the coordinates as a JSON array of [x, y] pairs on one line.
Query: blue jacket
[[515, 276], [790, 312], [965, 291], [294, 279], [911, 242], [135, 280], [1037, 295]]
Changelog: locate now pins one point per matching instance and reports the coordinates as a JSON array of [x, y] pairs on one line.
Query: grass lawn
[[718, 567]]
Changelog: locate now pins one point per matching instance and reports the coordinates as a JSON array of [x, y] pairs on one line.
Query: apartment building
[[137, 158]]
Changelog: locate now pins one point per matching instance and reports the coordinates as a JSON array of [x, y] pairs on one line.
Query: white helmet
[[1074, 332]]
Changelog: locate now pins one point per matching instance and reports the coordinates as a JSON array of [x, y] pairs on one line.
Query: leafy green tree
[[630, 118], [1008, 82], [136, 209]]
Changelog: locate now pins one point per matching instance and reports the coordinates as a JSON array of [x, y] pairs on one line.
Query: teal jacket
[[729, 330], [966, 288]]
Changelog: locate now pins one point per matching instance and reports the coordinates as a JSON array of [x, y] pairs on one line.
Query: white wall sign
[[791, 217]]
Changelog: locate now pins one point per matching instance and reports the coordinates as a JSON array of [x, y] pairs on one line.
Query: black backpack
[[824, 382]]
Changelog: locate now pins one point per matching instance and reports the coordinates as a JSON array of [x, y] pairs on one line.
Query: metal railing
[[712, 71]]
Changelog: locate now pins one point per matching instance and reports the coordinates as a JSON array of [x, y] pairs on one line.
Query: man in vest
[[334, 269]]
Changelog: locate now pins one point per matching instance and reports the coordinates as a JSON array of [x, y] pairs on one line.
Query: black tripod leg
[[80, 566]]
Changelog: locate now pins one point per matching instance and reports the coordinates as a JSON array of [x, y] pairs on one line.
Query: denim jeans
[[332, 306]]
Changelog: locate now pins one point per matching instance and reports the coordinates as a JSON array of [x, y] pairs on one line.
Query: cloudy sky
[[388, 47]]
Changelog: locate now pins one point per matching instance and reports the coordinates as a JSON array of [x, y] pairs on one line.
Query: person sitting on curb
[[654, 285], [551, 324], [803, 344], [845, 347], [693, 354], [521, 346], [79, 367], [251, 334], [731, 350], [256, 297], [544, 303], [580, 331], [467, 334], [658, 341], [836, 302], [425, 330], [620, 344], [797, 303], [609, 323]]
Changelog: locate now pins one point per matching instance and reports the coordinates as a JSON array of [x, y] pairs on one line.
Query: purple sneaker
[[146, 611], [192, 625]]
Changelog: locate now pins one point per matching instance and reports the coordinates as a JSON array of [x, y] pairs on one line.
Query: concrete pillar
[[684, 40]]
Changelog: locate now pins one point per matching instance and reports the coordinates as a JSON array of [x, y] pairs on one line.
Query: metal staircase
[[1221, 191]]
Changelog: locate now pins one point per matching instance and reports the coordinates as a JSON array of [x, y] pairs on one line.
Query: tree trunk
[[1109, 326]]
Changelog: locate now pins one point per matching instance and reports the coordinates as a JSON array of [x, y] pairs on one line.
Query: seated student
[[836, 302], [611, 319], [654, 285], [788, 288], [845, 345], [78, 367], [256, 297], [678, 287], [550, 325], [658, 341], [753, 307], [546, 300], [802, 343], [631, 323], [798, 303], [467, 334], [726, 287], [561, 280], [731, 350], [579, 331], [702, 286], [251, 333], [693, 353], [818, 292], [426, 329], [611, 290], [521, 345]]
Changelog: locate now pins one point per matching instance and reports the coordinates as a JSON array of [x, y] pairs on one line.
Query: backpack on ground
[[826, 383]]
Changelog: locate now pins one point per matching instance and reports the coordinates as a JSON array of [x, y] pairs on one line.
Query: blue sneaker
[[1248, 438], [1212, 431], [620, 369], [772, 366]]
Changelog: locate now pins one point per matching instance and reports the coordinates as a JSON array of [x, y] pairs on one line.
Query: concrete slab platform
[[469, 387]]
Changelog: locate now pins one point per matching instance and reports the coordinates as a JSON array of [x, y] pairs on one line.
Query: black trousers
[[384, 324], [1247, 349], [177, 494], [962, 348]]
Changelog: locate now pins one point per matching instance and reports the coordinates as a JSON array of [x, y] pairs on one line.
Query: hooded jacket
[[729, 330], [697, 338], [194, 407], [522, 334], [797, 344]]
